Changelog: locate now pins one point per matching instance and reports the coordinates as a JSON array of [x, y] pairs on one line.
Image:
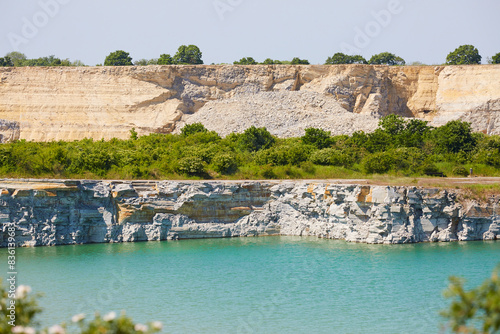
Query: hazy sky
[[227, 30]]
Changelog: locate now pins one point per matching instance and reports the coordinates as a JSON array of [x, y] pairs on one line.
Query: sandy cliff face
[[73, 212], [103, 102]]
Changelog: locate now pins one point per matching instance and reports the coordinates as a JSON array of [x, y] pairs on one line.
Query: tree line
[[192, 55], [399, 146]]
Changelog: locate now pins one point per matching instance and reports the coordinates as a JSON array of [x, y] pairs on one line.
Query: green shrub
[[322, 157], [190, 129], [256, 139], [460, 171], [332, 157], [293, 154], [318, 138], [377, 163], [454, 137], [308, 167], [191, 165], [488, 157], [225, 163], [407, 159], [267, 172], [430, 169]]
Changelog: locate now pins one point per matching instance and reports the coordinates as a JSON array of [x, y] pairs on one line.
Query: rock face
[[63, 103], [76, 212]]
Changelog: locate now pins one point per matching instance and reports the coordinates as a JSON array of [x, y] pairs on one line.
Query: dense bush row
[[406, 147]]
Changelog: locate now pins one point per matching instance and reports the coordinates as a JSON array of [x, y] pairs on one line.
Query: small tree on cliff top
[[246, 61], [464, 55], [118, 58], [496, 58], [341, 58], [190, 55], [386, 58]]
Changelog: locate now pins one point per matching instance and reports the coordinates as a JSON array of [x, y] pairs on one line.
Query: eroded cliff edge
[[77, 212], [63, 103]]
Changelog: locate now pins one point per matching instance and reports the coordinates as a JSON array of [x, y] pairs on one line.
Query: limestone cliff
[[103, 102], [75, 212]]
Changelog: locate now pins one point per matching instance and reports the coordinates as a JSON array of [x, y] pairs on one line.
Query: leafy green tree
[[464, 55], [454, 137], [341, 58], [6, 62], [318, 138], [246, 61], [478, 307], [392, 124], [189, 55], [298, 61], [190, 129], [379, 141], [165, 59], [118, 58], [496, 58], [255, 139], [386, 58], [404, 133], [17, 58], [414, 133]]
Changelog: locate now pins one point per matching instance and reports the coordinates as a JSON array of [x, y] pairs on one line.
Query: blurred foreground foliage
[[476, 310], [20, 314]]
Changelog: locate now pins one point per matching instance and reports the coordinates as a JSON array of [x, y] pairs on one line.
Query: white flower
[[23, 330], [157, 325], [22, 291], [141, 328], [78, 317], [109, 317], [56, 329]]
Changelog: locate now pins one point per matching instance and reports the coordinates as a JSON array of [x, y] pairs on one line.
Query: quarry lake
[[256, 285]]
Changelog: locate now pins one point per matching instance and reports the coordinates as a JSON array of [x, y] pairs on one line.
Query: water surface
[[256, 285]]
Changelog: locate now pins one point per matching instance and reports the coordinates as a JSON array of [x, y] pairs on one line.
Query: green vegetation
[[26, 311], [192, 55], [298, 61], [269, 61], [6, 62], [188, 55], [118, 58], [478, 307], [386, 58], [246, 61], [341, 58], [464, 55], [165, 59], [496, 59], [18, 59], [399, 147]]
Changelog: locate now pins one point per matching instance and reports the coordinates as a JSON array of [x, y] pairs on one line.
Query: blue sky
[[227, 30]]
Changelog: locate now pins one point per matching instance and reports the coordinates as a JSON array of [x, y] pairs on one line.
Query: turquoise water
[[256, 285]]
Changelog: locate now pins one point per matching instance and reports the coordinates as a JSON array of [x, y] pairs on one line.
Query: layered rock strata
[[78, 212], [64, 103]]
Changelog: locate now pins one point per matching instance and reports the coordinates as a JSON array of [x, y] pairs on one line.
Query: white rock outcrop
[[48, 213]]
